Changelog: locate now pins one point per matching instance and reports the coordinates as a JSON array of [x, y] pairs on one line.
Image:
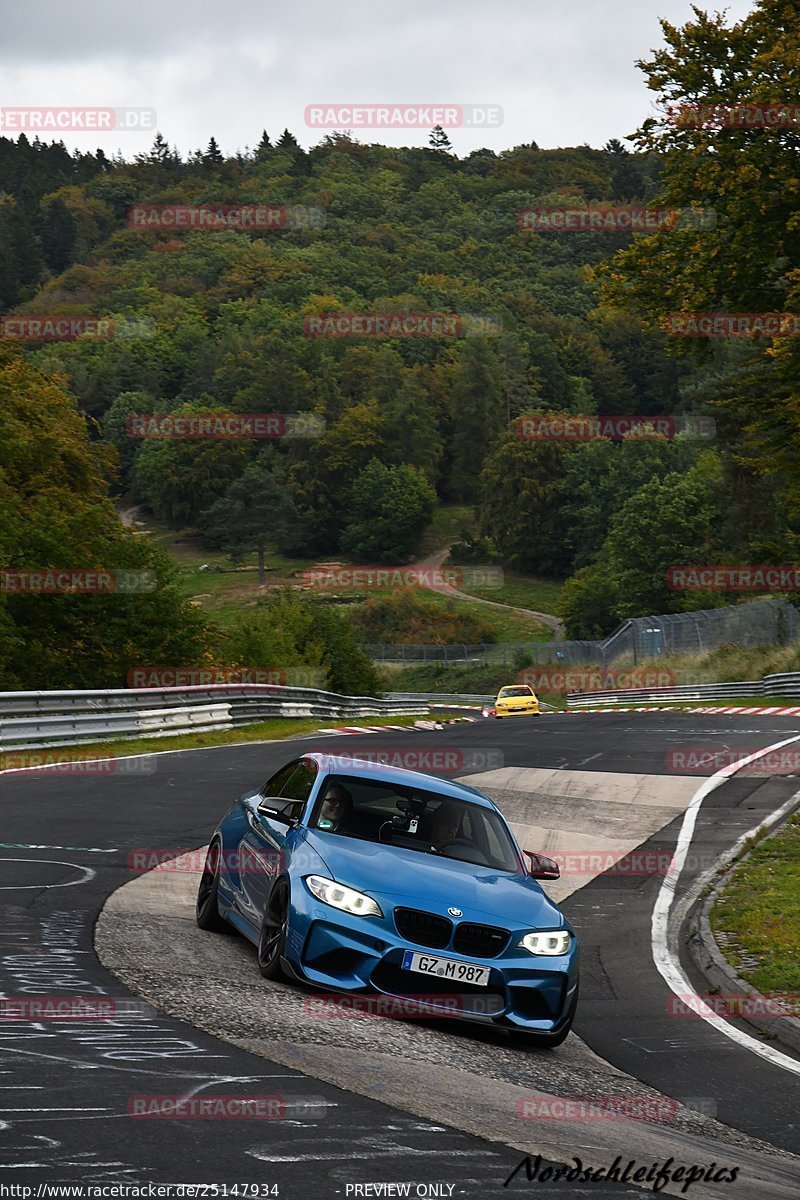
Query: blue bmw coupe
[[372, 879]]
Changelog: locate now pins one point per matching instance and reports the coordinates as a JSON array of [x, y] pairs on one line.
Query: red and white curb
[[421, 726], [728, 710], [417, 727], [365, 728], [764, 712]]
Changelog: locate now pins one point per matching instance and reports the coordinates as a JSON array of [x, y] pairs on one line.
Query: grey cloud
[[563, 73]]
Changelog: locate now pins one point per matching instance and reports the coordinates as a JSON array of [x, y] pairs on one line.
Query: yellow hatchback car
[[517, 700]]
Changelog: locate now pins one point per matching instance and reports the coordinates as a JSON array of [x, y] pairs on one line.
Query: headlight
[[551, 941], [339, 896]]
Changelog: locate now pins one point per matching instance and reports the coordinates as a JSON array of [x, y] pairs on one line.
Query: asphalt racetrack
[[354, 1104]]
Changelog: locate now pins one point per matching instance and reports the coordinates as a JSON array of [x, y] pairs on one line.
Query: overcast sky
[[562, 72]]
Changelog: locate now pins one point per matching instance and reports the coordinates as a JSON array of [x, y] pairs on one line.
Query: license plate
[[445, 968]]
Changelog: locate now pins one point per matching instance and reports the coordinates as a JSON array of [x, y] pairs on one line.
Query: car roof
[[348, 764]]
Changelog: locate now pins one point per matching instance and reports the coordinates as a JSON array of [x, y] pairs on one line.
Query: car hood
[[408, 877]]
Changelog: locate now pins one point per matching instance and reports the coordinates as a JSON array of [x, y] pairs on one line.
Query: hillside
[[302, 313]]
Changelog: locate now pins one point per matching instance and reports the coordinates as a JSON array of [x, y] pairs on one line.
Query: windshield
[[377, 811], [515, 691]]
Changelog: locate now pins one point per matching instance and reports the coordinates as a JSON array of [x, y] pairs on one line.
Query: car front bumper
[[337, 952]]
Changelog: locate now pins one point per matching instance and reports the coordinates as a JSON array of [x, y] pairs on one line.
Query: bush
[[410, 617], [294, 633], [471, 549]]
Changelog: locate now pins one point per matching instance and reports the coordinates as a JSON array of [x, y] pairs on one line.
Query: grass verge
[[757, 916], [507, 626], [522, 591]]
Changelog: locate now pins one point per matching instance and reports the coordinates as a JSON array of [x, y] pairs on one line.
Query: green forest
[[559, 322]]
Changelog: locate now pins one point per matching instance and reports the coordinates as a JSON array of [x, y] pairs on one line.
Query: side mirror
[[542, 867], [278, 809]]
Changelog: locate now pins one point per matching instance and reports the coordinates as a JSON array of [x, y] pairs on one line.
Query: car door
[[252, 860], [271, 833]]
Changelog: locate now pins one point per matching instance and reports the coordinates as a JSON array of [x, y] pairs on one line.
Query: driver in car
[[444, 827], [337, 808]]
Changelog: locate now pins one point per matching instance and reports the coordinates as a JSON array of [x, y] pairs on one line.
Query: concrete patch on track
[[588, 818], [467, 1076]]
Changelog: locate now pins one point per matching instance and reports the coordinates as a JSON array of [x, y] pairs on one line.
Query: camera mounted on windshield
[[411, 809]]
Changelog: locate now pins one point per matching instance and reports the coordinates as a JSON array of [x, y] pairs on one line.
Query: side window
[[298, 786], [274, 786]]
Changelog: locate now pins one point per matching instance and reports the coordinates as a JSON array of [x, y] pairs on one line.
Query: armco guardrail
[[33, 720], [786, 684]]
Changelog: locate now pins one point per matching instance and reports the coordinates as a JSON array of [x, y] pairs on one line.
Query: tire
[[207, 910], [545, 1041], [274, 927]]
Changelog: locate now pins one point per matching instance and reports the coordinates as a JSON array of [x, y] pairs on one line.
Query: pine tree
[[159, 152], [439, 140], [213, 154], [264, 147]]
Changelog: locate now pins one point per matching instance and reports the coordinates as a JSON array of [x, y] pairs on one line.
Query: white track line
[[668, 964]]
